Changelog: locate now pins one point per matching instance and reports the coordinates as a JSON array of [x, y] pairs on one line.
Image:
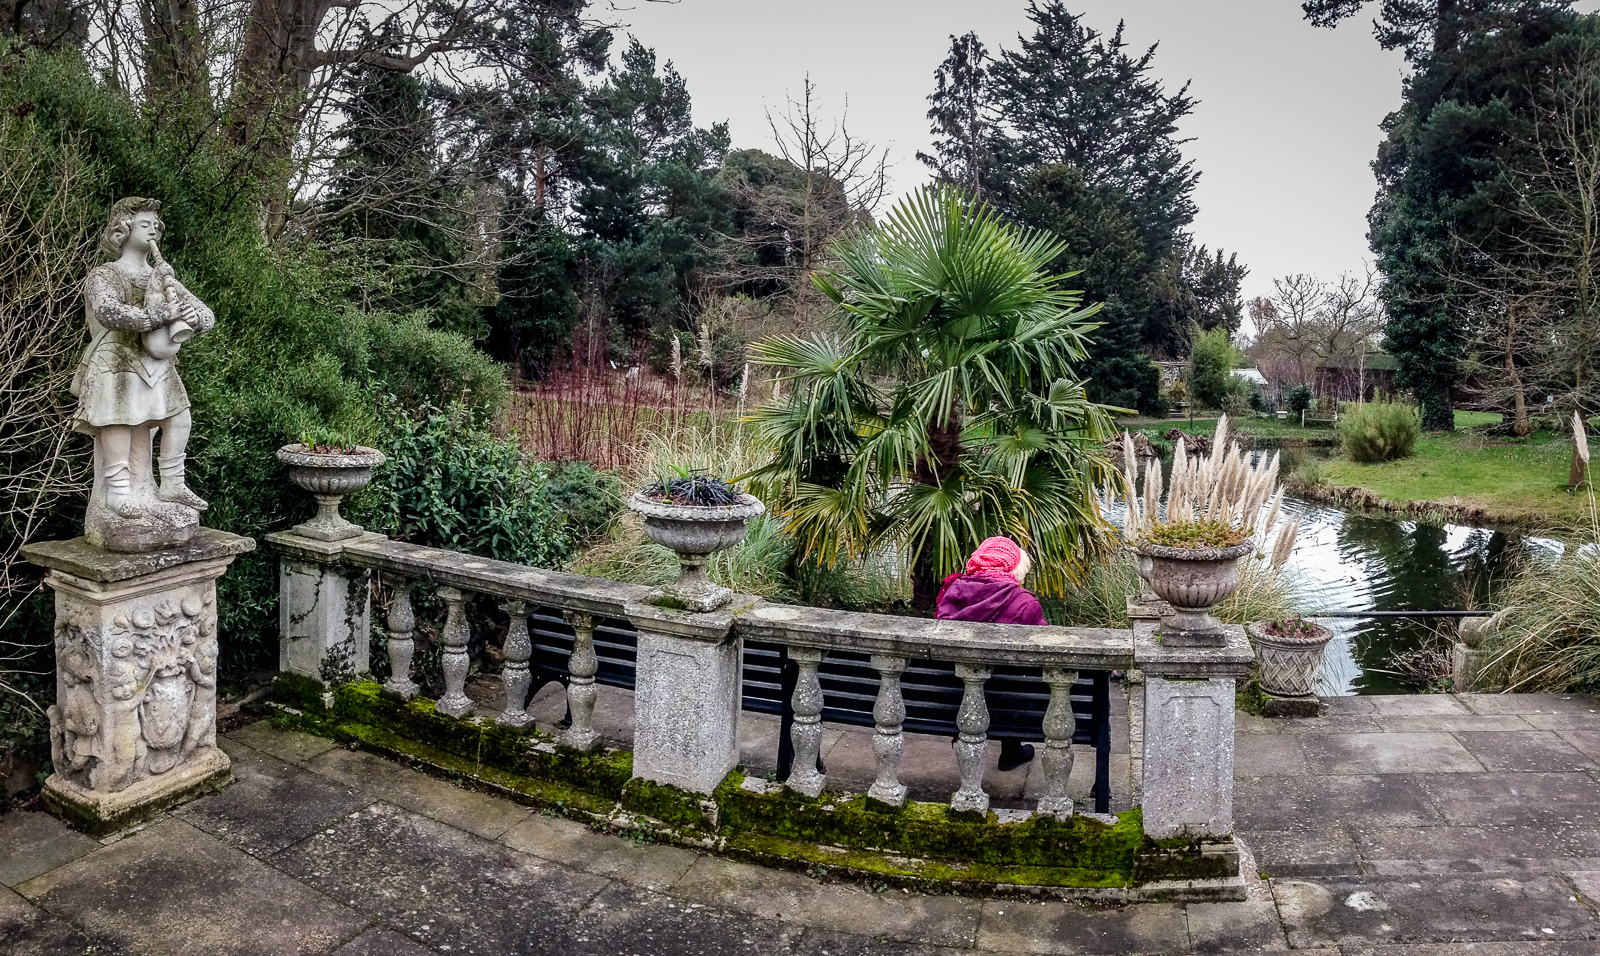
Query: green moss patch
[[925, 844], [670, 805]]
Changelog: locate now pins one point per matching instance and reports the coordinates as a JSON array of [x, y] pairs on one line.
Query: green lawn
[[1520, 480], [1513, 480], [1269, 427]]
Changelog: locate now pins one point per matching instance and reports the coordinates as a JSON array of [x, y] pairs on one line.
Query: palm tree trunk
[[944, 443]]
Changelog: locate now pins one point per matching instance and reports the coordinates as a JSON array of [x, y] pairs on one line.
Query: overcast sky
[[1284, 132]]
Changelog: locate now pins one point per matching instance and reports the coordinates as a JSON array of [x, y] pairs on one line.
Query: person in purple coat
[[990, 591]]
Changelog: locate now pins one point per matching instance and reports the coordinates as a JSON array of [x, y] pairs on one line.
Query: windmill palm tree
[[944, 408]]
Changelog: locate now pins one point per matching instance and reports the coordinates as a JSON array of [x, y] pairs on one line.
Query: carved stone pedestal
[[134, 727]]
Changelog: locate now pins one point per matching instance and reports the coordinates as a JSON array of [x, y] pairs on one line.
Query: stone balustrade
[[688, 677]]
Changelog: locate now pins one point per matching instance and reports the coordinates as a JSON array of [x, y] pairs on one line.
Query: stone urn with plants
[[1290, 654], [694, 516], [330, 467], [1190, 555]]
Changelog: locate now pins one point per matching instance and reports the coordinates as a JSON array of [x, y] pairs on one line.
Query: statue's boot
[[172, 487], [119, 491]]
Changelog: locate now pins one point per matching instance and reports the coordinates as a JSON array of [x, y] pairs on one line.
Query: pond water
[[1371, 562], [1354, 561]]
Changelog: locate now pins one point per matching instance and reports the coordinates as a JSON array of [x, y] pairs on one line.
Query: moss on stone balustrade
[[920, 844], [932, 831], [670, 805], [298, 691], [1183, 858]]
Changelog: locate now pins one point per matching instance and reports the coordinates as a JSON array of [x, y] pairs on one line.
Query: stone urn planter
[[1193, 581], [694, 533], [329, 475], [1291, 661]]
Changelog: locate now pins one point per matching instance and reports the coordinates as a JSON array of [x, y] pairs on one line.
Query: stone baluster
[[455, 702], [972, 744], [807, 730], [515, 677], [581, 668], [1057, 757], [402, 624], [888, 743]]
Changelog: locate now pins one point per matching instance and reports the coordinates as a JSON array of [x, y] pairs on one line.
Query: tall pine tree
[[1445, 194], [1071, 133]]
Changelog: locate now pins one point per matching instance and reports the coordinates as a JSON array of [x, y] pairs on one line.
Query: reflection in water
[[1353, 561], [1359, 562]]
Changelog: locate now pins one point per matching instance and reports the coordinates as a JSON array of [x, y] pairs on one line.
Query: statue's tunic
[[118, 382]]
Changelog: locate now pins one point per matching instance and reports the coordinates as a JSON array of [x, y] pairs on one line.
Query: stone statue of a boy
[[128, 387]]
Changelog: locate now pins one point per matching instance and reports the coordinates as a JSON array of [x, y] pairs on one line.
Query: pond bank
[[1361, 499], [1459, 476]]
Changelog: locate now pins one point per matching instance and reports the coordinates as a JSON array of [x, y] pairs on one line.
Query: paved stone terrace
[[1398, 826]]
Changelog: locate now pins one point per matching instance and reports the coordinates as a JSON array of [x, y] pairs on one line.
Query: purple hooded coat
[[988, 599]]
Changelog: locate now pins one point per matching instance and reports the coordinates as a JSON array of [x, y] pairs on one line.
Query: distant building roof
[[1250, 375]]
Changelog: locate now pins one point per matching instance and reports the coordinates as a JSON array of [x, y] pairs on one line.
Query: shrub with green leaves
[[290, 353], [450, 483], [1211, 362], [1299, 400], [1379, 431], [589, 497]]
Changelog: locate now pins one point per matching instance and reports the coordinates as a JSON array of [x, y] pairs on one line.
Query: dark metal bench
[[1016, 696]]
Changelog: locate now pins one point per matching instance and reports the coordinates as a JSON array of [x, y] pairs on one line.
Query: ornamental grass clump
[[1546, 636], [1379, 431], [1213, 498]]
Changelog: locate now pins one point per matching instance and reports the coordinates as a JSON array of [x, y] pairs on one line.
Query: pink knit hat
[[995, 554]]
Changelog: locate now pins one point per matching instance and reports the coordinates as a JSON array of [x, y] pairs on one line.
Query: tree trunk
[[945, 445], [175, 54]]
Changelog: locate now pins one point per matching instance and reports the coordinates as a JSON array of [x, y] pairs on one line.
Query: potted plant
[[1290, 654], [1193, 566], [329, 466], [694, 516], [1190, 556]]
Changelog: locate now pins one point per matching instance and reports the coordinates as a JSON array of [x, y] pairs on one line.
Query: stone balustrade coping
[[504, 579], [1083, 648]]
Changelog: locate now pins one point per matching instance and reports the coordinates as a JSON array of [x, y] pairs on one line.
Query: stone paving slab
[[26, 930], [1148, 928], [1382, 845], [1439, 910], [1304, 853], [37, 843], [1418, 705], [1268, 755], [1544, 948], [1460, 844], [1387, 753], [1451, 723], [290, 745], [381, 941], [1530, 704], [1248, 927], [786, 896], [1529, 751], [173, 889], [467, 810], [1514, 799], [441, 885], [1316, 802], [644, 865], [271, 805]]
